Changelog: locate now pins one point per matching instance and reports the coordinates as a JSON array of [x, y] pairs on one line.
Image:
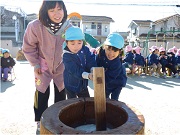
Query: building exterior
[[163, 32], [97, 26], [12, 30]]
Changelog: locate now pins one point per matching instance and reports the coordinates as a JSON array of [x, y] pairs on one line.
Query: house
[[163, 32], [12, 30], [97, 26]]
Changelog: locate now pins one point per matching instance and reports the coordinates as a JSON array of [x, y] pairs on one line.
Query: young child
[[172, 62], [129, 57], [163, 60], [78, 61], [109, 57], [138, 58], [7, 63], [177, 56], [153, 61]]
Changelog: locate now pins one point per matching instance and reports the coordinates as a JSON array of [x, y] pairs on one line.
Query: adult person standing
[[42, 47]]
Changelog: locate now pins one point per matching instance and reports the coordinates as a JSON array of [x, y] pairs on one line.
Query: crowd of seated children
[[7, 63], [153, 61]]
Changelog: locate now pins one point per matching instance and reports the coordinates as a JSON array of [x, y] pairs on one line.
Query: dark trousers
[[113, 93], [41, 100], [82, 93], [172, 67]]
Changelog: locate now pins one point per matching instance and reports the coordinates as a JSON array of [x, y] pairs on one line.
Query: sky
[[121, 11]]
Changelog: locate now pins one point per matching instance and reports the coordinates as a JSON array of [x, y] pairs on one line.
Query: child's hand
[[38, 70], [90, 76]]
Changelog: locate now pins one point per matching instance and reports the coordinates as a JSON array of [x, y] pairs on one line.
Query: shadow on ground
[[6, 85], [141, 82]]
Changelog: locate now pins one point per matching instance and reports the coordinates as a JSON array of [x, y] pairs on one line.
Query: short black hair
[[43, 12]]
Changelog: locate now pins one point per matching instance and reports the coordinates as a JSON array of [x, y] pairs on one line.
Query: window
[[161, 29], [106, 28], [93, 26]]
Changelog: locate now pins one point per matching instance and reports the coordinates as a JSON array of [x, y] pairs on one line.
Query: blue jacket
[[163, 60], [153, 59], [129, 58], [115, 74], [75, 65], [177, 59], [139, 60], [172, 60]]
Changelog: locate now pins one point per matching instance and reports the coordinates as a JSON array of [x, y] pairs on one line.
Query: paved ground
[[157, 99]]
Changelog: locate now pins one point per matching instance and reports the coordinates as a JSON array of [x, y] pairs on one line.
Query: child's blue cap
[[115, 40], [5, 51], [74, 33]]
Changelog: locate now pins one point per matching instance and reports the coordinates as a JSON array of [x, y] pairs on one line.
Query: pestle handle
[[99, 98]]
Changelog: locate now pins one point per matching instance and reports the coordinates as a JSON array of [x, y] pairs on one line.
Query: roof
[[166, 18], [87, 18], [140, 22]]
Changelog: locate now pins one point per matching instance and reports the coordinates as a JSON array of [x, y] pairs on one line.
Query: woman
[[42, 47]]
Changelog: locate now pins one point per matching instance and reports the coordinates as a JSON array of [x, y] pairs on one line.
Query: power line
[[127, 4]]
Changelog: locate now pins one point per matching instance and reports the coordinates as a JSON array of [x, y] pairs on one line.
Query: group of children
[[7, 63], [158, 60], [79, 62]]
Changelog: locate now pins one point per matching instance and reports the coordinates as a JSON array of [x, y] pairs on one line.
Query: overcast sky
[[121, 11]]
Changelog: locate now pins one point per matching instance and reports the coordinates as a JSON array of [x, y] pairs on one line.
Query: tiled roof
[[142, 22], [87, 18], [166, 18]]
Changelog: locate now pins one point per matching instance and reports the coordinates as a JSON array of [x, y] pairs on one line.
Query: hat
[[5, 51], [137, 49], [171, 50], [115, 40], [161, 49], [178, 52], [128, 48], [74, 33], [175, 48], [153, 48]]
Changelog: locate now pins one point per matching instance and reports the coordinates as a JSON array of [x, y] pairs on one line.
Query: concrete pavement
[[157, 99]]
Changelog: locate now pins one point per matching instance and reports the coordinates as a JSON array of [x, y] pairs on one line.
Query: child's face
[[74, 45], [56, 14], [162, 52], [6, 55], [110, 54], [156, 51]]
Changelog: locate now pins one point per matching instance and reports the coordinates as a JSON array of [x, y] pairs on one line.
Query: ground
[[157, 99]]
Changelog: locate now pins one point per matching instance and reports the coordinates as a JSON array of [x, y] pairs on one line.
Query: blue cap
[[115, 40], [5, 50], [74, 33]]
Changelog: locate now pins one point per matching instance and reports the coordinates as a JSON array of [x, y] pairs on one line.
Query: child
[[172, 62], [153, 61], [163, 60], [109, 57], [78, 62], [177, 56], [175, 49], [7, 63], [138, 58], [129, 57]]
